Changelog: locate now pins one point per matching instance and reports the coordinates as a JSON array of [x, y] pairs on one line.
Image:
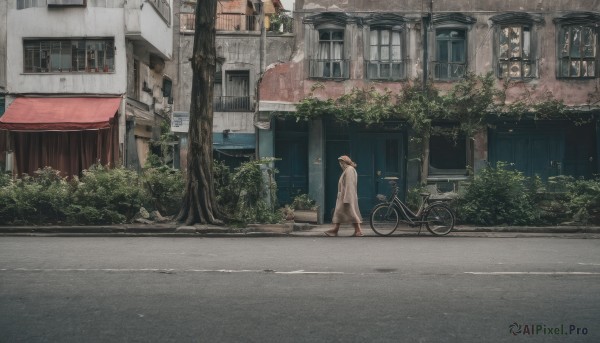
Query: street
[[299, 289]]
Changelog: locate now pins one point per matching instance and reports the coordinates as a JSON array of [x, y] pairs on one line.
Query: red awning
[[59, 114]]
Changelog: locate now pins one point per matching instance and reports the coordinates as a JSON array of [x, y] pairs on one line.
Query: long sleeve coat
[[346, 205]]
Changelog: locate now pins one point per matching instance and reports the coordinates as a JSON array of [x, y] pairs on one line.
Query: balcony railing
[[329, 69], [163, 8], [235, 22], [232, 104], [386, 70], [518, 69], [225, 22], [449, 70]]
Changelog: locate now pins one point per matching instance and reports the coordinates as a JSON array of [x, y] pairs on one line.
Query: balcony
[[148, 23], [329, 68], [225, 22], [232, 104], [235, 22], [386, 70]]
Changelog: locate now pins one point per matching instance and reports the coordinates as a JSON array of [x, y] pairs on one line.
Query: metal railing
[[163, 8], [329, 69], [449, 70], [517, 69], [235, 22], [232, 104], [386, 70]]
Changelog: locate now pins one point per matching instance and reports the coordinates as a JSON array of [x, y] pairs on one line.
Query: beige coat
[[346, 205]]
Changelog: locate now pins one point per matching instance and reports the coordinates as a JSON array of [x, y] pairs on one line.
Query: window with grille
[[68, 55], [451, 54], [330, 62], [385, 55], [515, 57], [578, 48]]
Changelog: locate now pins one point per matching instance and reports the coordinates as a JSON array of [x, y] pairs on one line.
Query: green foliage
[[105, 195], [360, 105], [244, 192], [584, 200], [498, 196], [5, 179], [303, 202], [419, 105], [469, 100], [34, 200], [100, 196], [165, 186]]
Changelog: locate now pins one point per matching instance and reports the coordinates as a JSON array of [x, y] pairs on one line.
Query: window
[[578, 51], [515, 48], [385, 55], [325, 45], [448, 155], [515, 60], [451, 54], [84, 55], [330, 54], [167, 89], [237, 92]]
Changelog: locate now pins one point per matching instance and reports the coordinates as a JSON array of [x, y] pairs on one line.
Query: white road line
[[121, 270], [533, 273]]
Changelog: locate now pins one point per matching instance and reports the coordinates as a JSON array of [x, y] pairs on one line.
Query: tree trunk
[[199, 202]]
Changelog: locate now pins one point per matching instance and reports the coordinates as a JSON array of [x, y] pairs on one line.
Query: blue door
[[531, 151], [377, 155]]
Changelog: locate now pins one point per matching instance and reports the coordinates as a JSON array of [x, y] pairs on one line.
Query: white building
[[84, 81]]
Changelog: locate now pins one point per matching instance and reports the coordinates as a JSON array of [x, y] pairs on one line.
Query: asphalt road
[[314, 289]]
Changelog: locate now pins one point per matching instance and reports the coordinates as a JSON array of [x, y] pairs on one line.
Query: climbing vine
[[472, 104]]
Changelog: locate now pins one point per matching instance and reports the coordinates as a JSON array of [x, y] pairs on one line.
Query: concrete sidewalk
[[261, 230]]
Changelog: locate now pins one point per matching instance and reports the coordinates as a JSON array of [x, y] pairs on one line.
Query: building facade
[[244, 51], [85, 82], [542, 47]]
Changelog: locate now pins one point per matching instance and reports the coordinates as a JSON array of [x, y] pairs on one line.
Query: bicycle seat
[[390, 178], [425, 194]]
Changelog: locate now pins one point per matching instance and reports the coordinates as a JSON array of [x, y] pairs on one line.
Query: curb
[[252, 230]]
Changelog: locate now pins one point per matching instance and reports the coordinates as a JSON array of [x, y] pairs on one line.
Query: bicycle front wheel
[[384, 219], [439, 219]]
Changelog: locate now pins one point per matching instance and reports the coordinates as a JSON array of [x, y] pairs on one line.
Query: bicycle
[[385, 217]]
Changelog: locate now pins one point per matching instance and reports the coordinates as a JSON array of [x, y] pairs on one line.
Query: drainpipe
[[426, 27], [263, 39]]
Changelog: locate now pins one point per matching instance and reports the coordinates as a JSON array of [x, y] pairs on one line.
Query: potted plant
[[305, 209]]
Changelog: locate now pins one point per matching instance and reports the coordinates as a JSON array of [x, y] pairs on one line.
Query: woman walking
[[346, 205]]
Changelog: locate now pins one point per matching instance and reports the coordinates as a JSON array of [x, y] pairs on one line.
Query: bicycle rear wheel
[[439, 219], [384, 219]]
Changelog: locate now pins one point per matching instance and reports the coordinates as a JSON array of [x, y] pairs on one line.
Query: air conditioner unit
[[58, 3]]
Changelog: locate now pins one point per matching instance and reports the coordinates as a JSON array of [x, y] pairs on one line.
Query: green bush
[[243, 192], [303, 202], [584, 200], [34, 200], [165, 185], [498, 196], [107, 196]]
